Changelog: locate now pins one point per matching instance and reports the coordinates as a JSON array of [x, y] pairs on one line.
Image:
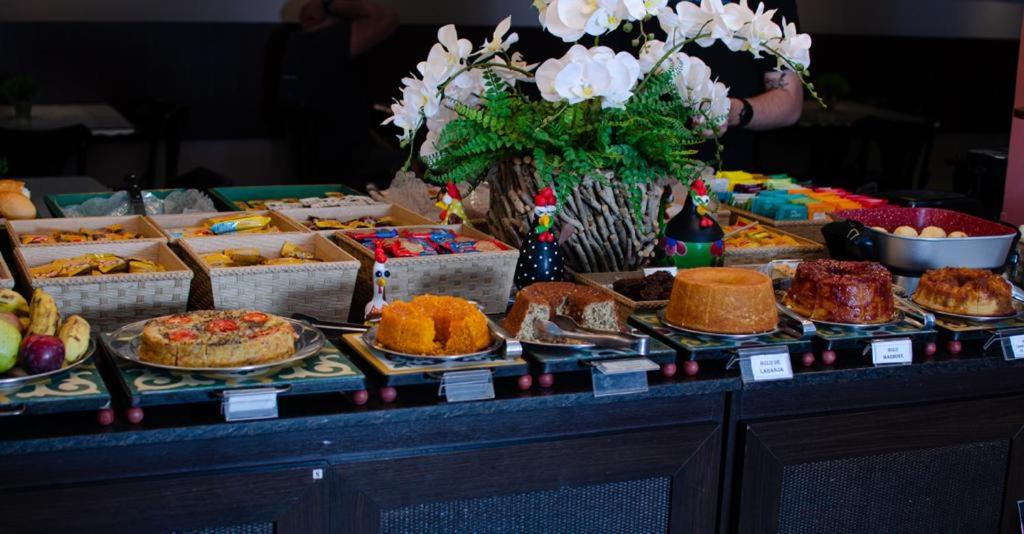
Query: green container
[[225, 197], [57, 203]]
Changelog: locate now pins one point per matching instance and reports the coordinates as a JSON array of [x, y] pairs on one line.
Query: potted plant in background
[[606, 130], [19, 91]]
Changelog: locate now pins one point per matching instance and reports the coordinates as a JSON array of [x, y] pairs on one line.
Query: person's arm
[[780, 105]]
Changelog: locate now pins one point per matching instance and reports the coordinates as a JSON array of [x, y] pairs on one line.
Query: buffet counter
[[848, 444]]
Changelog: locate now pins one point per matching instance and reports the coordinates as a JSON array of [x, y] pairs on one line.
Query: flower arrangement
[[594, 111]]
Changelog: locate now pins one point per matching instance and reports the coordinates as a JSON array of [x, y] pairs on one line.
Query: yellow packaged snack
[[291, 250], [137, 265], [236, 223]]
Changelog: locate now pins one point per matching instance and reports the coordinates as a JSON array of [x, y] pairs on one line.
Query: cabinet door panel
[[936, 468], [283, 500], [651, 481]]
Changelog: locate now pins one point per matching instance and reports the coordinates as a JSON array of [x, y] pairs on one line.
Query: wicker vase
[[597, 229]]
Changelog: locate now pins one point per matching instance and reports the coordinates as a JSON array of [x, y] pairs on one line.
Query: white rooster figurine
[[375, 307]]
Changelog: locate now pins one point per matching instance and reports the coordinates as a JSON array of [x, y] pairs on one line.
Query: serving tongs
[[916, 315], [793, 324], [562, 326], [511, 348], [337, 326]]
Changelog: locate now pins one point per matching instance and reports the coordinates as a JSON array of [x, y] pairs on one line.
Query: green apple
[[10, 342]]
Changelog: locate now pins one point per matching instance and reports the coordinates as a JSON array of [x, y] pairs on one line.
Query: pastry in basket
[[433, 325], [217, 338], [588, 306], [113, 232], [94, 264], [291, 254], [854, 292], [965, 292], [722, 300]]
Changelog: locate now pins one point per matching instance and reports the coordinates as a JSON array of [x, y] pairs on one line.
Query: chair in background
[[159, 124], [44, 152]]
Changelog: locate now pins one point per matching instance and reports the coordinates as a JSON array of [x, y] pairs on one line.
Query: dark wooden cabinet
[[286, 499], [942, 467], [663, 480]]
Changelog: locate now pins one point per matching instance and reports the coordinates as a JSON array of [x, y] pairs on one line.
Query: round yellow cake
[[722, 300]]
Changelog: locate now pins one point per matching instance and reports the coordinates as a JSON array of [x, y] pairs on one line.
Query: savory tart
[[217, 338]]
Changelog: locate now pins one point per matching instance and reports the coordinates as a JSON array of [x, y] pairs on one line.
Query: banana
[[75, 335], [12, 301], [43, 318]]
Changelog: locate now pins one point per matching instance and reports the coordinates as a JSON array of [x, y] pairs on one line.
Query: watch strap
[[746, 114]]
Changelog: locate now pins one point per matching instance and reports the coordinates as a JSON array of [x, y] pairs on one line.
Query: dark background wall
[[951, 60]]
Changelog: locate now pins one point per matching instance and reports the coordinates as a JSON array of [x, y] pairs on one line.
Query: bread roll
[[16, 206], [14, 186]]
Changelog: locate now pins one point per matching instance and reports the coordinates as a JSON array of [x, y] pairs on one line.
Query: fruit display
[[722, 300], [655, 286], [409, 243], [32, 336], [290, 254], [217, 338], [330, 200], [977, 292], [244, 223], [361, 223], [853, 292], [94, 264], [433, 325], [113, 232], [588, 306]]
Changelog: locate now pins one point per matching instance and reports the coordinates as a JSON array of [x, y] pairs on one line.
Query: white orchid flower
[[716, 106], [541, 6], [692, 78], [794, 46], [757, 32], [650, 53], [510, 76], [498, 42], [548, 71], [653, 7], [623, 70], [558, 26], [608, 15], [447, 56]]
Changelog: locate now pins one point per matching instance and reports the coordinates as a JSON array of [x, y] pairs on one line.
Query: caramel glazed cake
[[216, 338], [589, 307], [851, 292]]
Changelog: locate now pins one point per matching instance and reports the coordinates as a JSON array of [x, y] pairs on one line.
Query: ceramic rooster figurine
[[375, 307], [451, 204], [539, 259], [692, 238]]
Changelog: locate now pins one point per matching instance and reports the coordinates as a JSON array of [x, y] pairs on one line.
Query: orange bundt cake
[[722, 300], [433, 325], [965, 292]]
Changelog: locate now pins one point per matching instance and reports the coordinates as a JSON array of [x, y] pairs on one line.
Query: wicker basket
[[805, 249], [321, 289], [484, 277], [109, 301], [132, 223], [805, 228], [400, 215], [624, 305], [166, 223], [6, 278]]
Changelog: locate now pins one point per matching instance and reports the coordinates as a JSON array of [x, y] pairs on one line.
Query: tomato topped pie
[[217, 338]]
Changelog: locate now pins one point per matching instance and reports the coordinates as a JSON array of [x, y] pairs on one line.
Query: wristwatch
[[746, 114]]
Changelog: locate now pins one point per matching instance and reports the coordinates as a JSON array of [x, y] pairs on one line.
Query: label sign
[[621, 377], [1015, 347], [892, 352], [775, 366], [249, 404], [630, 365]]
